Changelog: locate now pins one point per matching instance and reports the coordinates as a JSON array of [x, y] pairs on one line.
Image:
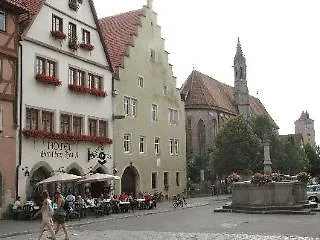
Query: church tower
[[304, 127], [241, 93]]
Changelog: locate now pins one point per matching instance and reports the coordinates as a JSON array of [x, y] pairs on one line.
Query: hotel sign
[[57, 149]]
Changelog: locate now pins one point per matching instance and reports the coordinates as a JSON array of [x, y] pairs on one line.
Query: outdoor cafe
[[80, 200]]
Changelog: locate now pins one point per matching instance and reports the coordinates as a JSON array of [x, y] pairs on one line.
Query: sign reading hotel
[[56, 149]]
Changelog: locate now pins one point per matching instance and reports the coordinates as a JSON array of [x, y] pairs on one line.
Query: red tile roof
[[203, 91], [118, 32]]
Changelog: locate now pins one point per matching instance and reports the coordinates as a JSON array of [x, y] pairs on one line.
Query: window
[[76, 77], [77, 125], [93, 124], [127, 143], [157, 145], [154, 112], [46, 66], [72, 33], [65, 124], [32, 118], [176, 146], [103, 128], [85, 36], [173, 116], [130, 106], [177, 179], [140, 81], [57, 23], [95, 81], [126, 106], [2, 21], [153, 55], [171, 142], [134, 107], [47, 121], [154, 180], [142, 144], [165, 89], [1, 119], [166, 179]]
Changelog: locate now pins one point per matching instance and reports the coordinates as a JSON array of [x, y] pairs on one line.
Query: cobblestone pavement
[[146, 235]]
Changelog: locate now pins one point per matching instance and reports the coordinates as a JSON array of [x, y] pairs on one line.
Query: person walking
[[60, 215], [47, 212]]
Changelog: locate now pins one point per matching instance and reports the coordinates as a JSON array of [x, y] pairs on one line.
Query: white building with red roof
[[65, 95]]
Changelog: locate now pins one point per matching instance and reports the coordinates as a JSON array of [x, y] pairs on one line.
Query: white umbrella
[[60, 177], [98, 177]]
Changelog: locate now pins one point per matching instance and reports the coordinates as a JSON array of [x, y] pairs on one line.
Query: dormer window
[[74, 5], [2, 21]]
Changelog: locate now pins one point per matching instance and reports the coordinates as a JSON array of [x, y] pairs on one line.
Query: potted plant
[[73, 45], [233, 177], [58, 35], [303, 177], [74, 5], [86, 46], [259, 178]]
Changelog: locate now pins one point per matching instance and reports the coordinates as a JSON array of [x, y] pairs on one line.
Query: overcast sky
[[280, 39]]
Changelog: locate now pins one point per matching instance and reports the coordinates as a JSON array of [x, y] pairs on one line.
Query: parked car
[[313, 193]]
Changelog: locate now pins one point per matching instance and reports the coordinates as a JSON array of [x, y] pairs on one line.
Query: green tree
[[236, 148], [196, 163], [312, 154]]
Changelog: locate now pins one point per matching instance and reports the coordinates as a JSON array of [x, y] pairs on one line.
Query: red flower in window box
[[66, 137], [83, 89], [58, 34], [48, 79], [73, 45], [74, 5], [86, 46]]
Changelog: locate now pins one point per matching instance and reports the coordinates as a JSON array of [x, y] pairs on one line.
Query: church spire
[[241, 93]]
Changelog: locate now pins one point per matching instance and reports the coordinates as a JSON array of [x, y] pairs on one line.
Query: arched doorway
[[98, 188], [34, 191], [130, 181]]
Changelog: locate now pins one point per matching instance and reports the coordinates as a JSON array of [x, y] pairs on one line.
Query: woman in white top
[[47, 212]]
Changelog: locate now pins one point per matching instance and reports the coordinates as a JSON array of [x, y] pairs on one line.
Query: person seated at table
[[17, 204], [80, 200], [99, 200], [123, 197], [148, 200], [70, 197]]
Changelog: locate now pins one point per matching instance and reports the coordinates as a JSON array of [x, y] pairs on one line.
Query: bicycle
[[177, 201]]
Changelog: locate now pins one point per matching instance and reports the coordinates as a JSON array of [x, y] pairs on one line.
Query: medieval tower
[[304, 126], [241, 93]]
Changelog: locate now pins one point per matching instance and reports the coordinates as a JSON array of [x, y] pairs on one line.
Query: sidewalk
[[9, 228]]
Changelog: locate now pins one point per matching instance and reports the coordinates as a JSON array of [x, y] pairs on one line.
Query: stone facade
[[150, 139], [304, 127], [208, 103]]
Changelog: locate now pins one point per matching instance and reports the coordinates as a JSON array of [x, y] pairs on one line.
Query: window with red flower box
[[103, 127], [46, 71], [32, 118], [86, 41], [74, 5], [47, 121], [66, 137], [72, 36], [77, 126], [93, 123], [39, 119], [93, 86]]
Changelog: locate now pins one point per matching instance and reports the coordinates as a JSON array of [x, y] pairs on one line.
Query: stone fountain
[[273, 197]]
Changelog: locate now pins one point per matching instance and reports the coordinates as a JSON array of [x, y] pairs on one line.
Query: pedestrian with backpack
[[47, 213], [60, 214]]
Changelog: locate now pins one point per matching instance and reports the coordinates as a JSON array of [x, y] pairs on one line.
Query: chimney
[[149, 4]]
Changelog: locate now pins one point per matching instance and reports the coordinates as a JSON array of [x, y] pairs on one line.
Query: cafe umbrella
[[60, 178], [98, 177]]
